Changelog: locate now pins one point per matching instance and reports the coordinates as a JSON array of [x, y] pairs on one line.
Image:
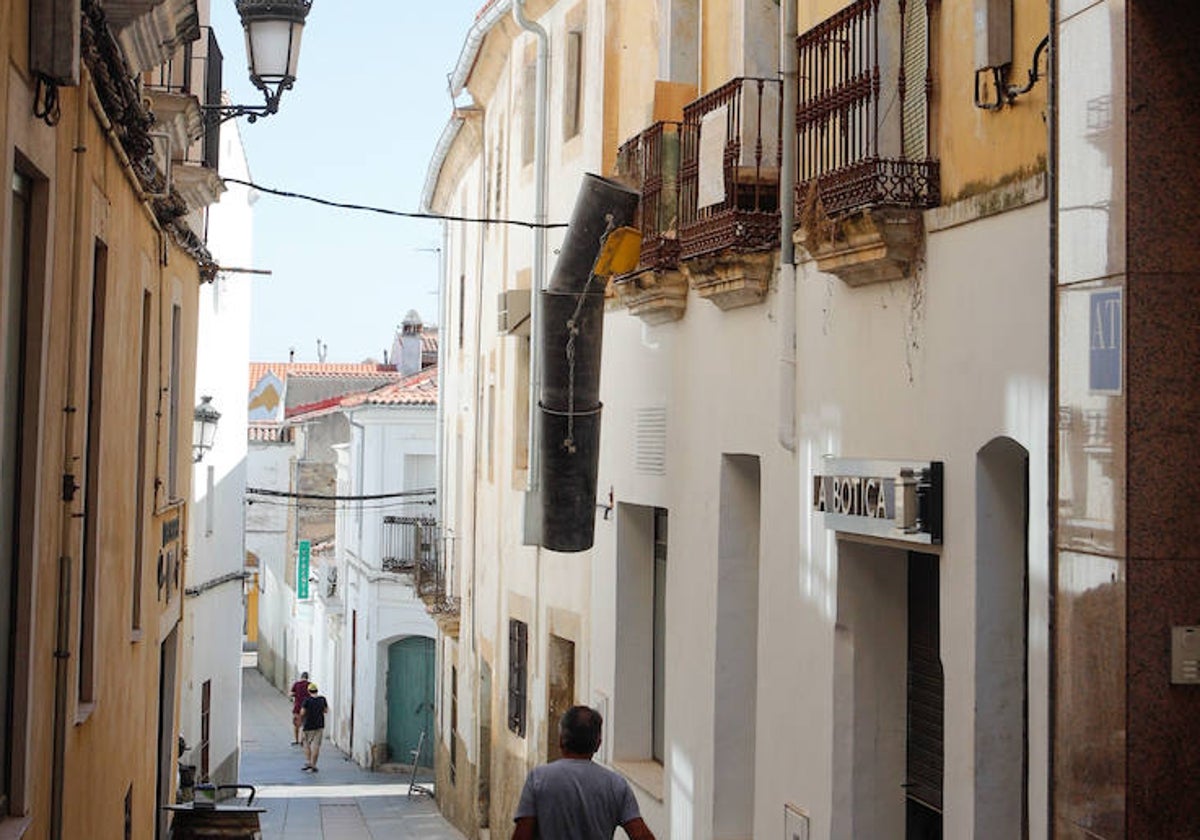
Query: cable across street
[[287, 494], [389, 212]]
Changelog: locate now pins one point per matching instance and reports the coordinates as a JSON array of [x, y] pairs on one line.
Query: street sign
[[302, 564]]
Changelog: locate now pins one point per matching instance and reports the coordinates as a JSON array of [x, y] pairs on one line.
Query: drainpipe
[[787, 224], [361, 490], [539, 263], [1052, 192], [62, 641], [439, 412]]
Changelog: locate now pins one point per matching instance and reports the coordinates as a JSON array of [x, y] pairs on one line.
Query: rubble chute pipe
[[572, 331]]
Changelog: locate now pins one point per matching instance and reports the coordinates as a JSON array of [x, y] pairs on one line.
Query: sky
[[360, 126]]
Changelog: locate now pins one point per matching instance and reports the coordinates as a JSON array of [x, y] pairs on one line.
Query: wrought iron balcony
[[851, 154], [193, 73], [729, 173], [649, 163], [409, 544]]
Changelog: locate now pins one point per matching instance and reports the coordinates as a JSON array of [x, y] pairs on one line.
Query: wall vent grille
[[650, 441]]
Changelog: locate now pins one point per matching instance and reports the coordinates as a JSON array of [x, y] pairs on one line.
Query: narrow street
[[340, 802]]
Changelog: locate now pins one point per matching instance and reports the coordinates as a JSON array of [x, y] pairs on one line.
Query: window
[[528, 112], [518, 673], [205, 726], [498, 184], [491, 434], [453, 724], [210, 508], [572, 84], [139, 476], [173, 410], [462, 308], [520, 421], [659, 631], [13, 303], [639, 719], [89, 557], [916, 65]]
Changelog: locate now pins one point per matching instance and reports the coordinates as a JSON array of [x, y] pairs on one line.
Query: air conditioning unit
[[512, 312]]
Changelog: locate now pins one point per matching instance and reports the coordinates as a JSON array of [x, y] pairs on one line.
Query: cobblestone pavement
[[341, 801]]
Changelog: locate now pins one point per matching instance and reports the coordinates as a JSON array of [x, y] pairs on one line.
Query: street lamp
[[204, 428], [273, 30]]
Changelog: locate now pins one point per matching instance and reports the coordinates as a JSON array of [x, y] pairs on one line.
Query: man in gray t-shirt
[[574, 798]]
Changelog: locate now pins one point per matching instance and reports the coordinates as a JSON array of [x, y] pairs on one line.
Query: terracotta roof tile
[[285, 369], [418, 389]]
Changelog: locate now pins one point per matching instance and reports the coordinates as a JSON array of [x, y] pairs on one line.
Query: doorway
[[168, 749], [410, 697], [924, 759], [560, 690], [888, 693]]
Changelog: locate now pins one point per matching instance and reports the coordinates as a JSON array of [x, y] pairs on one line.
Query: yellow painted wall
[[980, 148], [83, 191], [716, 50], [630, 69]]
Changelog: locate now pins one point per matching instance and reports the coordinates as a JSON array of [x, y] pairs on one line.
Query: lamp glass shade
[[273, 48], [204, 425]]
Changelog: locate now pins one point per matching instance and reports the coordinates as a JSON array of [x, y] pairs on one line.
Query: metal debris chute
[[598, 242]]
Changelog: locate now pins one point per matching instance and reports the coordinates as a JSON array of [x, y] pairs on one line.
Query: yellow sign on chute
[[620, 253]]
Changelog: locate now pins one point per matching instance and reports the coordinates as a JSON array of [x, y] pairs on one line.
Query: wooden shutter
[[916, 65], [518, 649], [528, 113], [572, 84]]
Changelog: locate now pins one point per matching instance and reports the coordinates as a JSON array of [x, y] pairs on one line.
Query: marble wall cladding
[[1163, 128], [1163, 475], [1090, 672], [1091, 126], [1091, 418], [1163, 757]]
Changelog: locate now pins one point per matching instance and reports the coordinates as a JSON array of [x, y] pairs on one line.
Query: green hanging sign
[[302, 563]]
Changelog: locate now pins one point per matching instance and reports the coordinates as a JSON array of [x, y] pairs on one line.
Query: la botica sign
[[898, 500]]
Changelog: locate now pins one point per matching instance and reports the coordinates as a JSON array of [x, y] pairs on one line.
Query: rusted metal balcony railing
[[854, 154], [411, 546], [729, 172], [409, 543], [649, 163]]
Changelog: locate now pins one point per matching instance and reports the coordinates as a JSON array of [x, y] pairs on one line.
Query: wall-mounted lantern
[[204, 428], [273, 30]]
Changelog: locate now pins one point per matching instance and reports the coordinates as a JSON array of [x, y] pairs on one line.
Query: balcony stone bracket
[[199, 187], [731, 279], [657, 296], [871, 246], [179, 117]]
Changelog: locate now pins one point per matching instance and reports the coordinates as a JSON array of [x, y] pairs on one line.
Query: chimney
[[409, 361]]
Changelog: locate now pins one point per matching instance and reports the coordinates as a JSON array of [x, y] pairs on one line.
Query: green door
[[410, 699]]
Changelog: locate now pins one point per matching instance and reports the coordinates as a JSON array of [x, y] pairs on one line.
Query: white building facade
[[210, 691], [818, 589], [376, 638]]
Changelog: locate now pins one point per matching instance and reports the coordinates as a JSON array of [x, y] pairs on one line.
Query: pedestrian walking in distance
[[298, 694], [312, 720], [575, 798]]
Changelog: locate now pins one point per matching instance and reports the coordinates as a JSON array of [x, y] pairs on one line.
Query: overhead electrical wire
[[288, 494], [389, 212], [401, 507]]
